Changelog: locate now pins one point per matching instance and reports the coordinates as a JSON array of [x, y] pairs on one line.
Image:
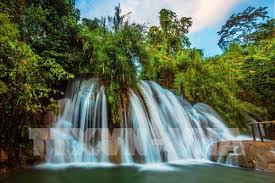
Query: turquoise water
[[172, 174]]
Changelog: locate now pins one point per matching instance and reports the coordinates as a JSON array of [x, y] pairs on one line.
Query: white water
[[156, 115]]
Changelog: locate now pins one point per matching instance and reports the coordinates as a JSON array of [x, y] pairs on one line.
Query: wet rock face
[[246, 154]]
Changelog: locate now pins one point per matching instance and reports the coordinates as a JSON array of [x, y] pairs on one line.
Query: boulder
[[247, 154]]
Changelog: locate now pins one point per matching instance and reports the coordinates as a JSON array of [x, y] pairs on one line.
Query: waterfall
[[158, 126]]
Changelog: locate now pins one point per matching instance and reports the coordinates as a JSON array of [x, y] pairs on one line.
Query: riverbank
[[247, 154], [12, 160], [20, 156]]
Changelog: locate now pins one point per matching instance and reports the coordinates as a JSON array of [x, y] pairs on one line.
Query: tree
[[239, 27], [113, 53], [258, 72], [118, 19], [91, 24], [165, 43], [26, 86], [51, 28], [171, 35], [210, 81], [266, 31]]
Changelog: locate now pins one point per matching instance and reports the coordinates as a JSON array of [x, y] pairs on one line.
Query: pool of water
[[176, 173]]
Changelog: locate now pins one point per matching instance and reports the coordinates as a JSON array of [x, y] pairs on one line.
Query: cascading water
[[157, 126]]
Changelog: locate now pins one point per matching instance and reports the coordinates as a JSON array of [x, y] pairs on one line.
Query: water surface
[[207, 173]]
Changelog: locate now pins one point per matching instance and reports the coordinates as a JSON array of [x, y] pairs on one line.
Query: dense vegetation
[[45, 44]]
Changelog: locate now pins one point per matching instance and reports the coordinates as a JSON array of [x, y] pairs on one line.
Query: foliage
[[114, 53], [26, 82], [258, 72], [165, 43], [37, 49], [170, 37], [210, 81], [266, 31], [50, 28], [240, 26]]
